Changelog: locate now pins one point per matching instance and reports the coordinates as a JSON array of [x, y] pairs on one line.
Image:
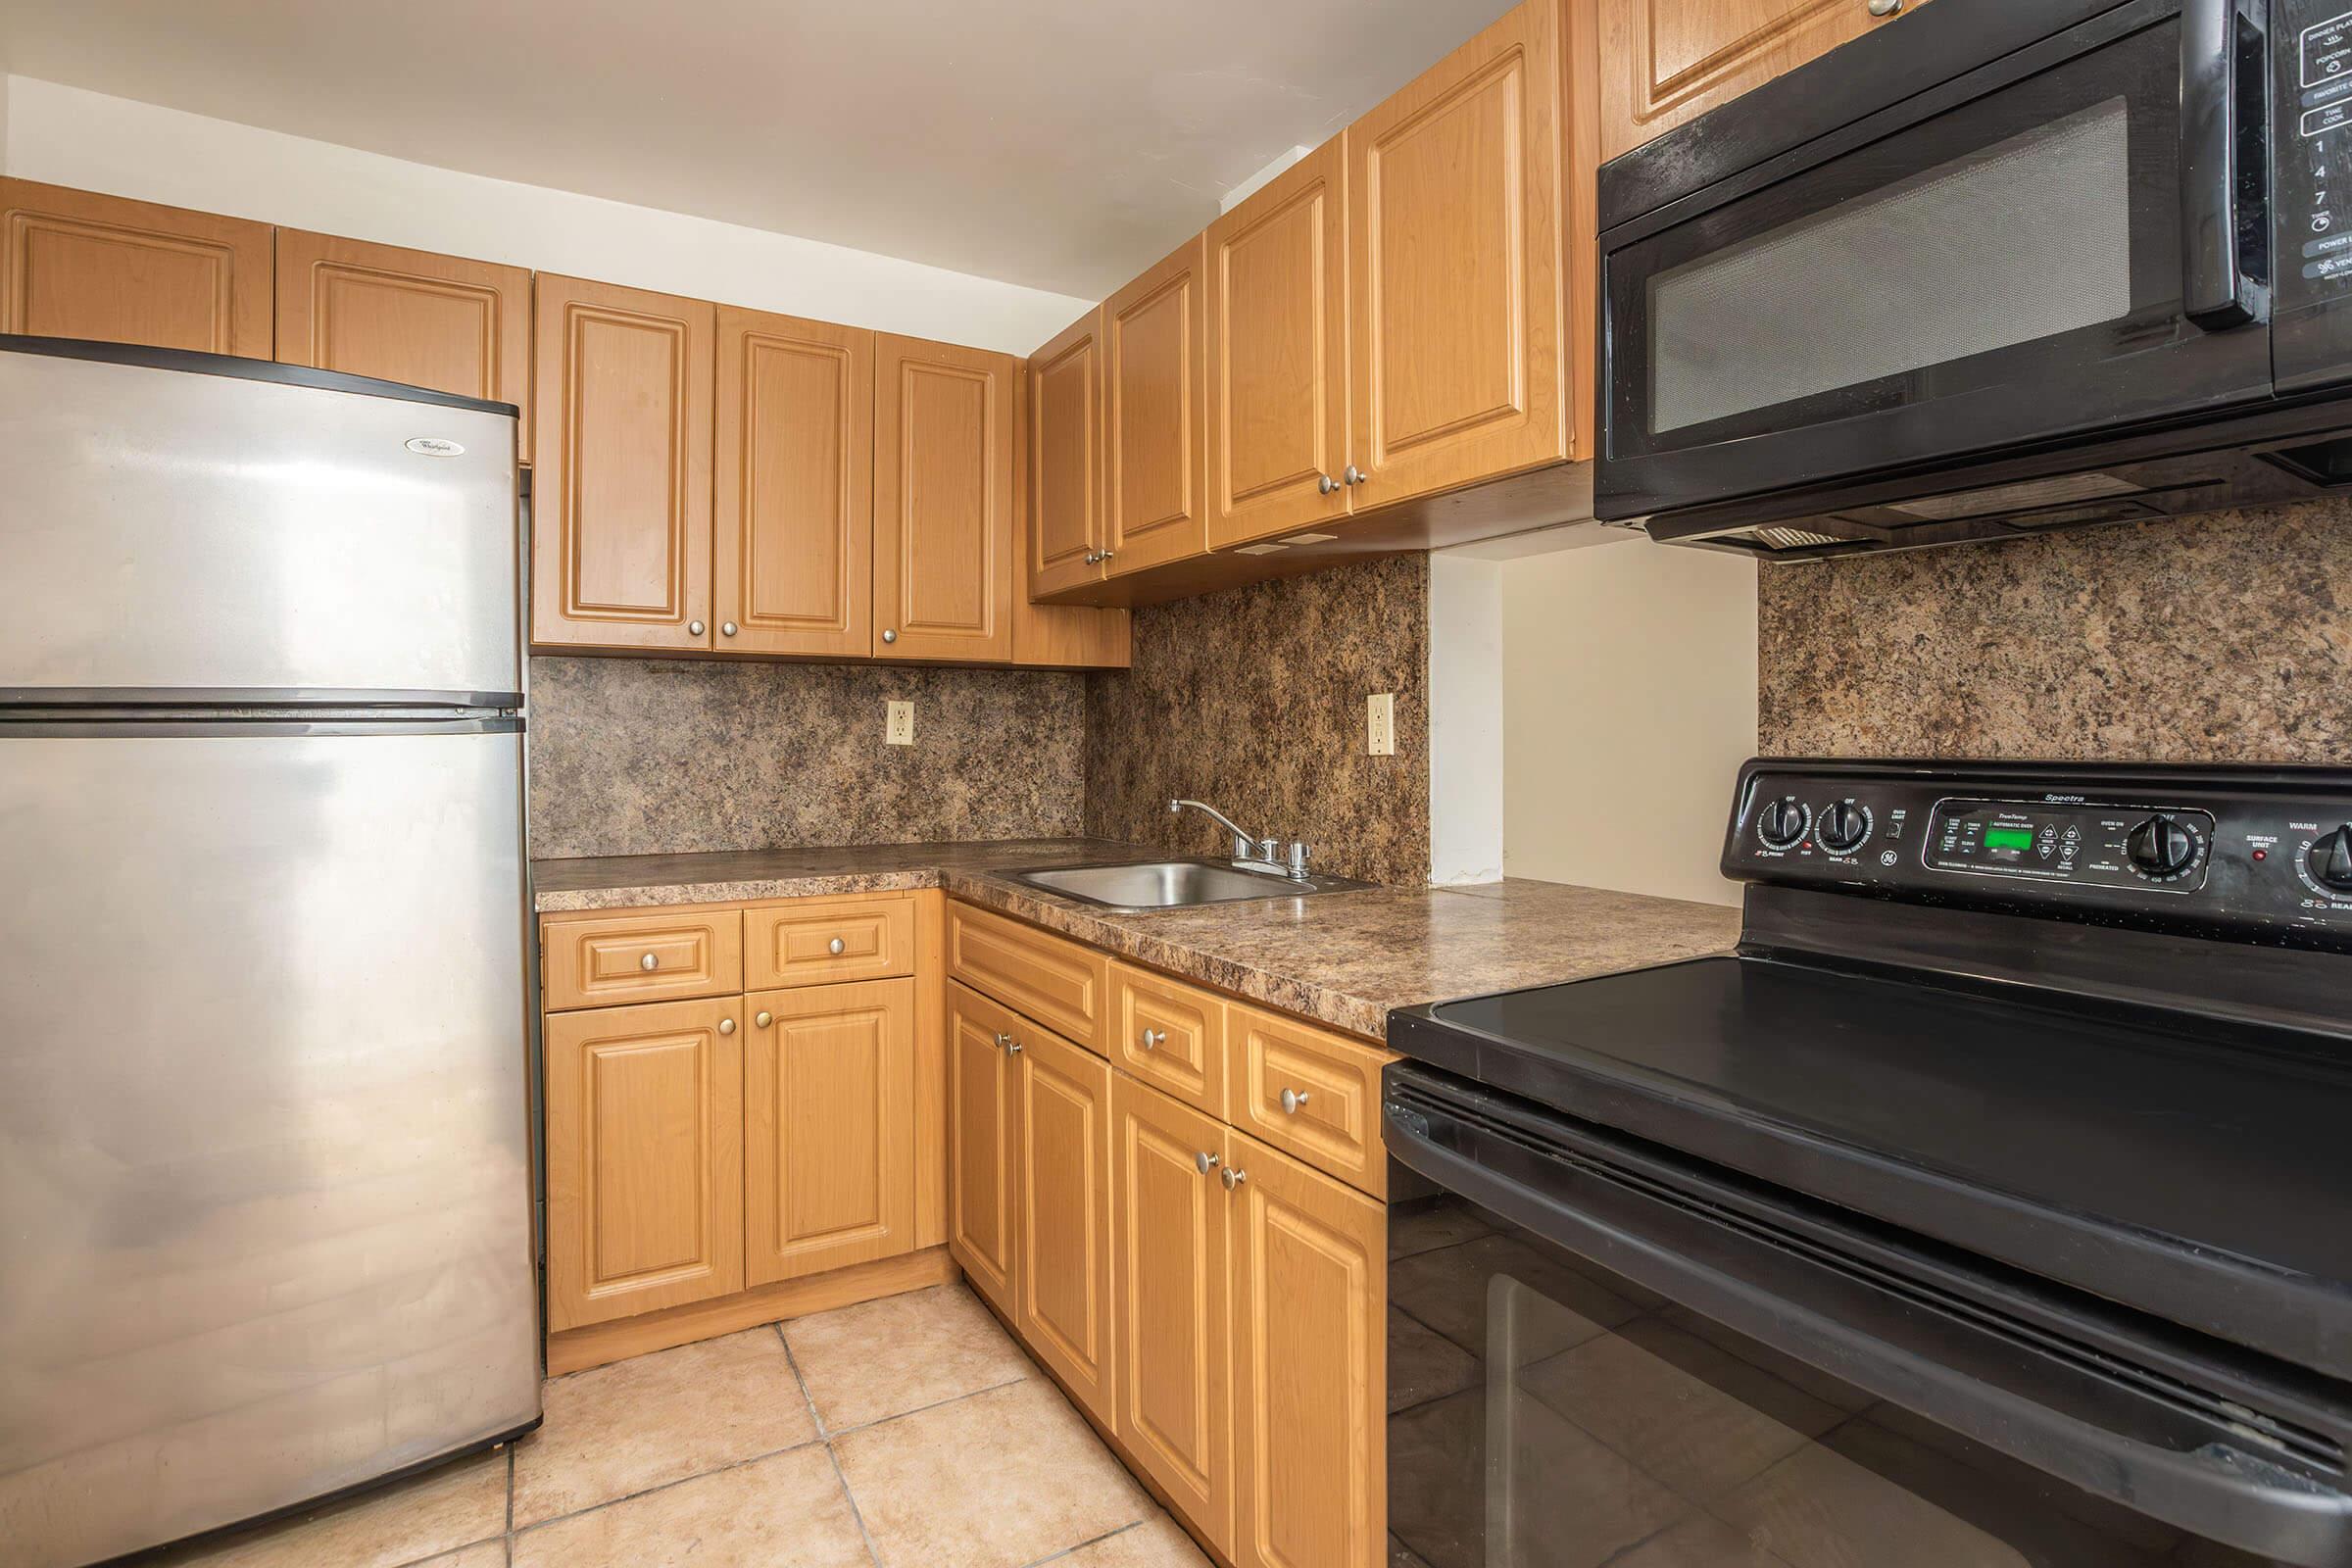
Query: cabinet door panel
[[621, 495], [433, 321], [1278, 354], [1309, 1347], [792, 490], [1066, 457], [1669, 61], [1064, 1179], [1170, 1035], [1453, 200], [1155, 370], [644, 1158], [76, 264], [1168, 1233], [943, 500], [828, 1128], [984, 1125]]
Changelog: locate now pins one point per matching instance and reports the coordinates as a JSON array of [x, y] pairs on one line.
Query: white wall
[[68, 137], [1629, 701], [1465, 719]]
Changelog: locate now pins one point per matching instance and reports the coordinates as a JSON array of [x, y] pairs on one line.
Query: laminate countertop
[[1342, 958]]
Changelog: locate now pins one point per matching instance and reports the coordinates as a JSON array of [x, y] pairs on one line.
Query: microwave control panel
[[2244, 850], [2309, 205]]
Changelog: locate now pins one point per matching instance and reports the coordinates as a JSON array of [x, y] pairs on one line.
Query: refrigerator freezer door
[[170, 530], [264, 1174]]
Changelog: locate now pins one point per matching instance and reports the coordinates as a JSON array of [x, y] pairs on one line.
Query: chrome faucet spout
[[1245, 843], [1248, 849]]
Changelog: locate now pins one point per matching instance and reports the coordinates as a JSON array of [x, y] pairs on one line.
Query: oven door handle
[[2224, 126], [1895, 1350]]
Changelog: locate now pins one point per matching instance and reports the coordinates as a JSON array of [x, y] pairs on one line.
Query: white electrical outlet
[[899, 730], [1379, 724]]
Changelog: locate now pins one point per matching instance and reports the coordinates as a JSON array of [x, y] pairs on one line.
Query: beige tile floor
[[906, 1433]]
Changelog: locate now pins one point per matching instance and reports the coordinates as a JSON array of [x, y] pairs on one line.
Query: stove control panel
[[2246, 851]]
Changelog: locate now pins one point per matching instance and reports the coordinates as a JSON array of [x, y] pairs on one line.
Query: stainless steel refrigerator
[[266, 1219]]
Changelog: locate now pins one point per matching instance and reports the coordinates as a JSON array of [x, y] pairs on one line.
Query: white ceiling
[[1064, 144]]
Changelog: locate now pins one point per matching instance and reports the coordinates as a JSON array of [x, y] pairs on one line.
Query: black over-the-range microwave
[[1995, 268]]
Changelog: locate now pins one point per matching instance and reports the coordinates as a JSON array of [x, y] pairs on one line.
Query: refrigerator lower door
[[264, 1171], [203, 534]]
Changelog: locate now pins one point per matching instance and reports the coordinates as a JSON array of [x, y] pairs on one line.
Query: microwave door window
[[2026, 239]]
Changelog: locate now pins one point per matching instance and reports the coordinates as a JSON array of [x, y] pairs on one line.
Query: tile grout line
[[873, 1553], [1107, 1534], [647, 1491], [924, 1409]]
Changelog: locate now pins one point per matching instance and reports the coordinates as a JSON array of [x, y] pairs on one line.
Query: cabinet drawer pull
[[764, 1018], [648, 963], [834, 947], [1206, 1160], [1885, 8], [890, 635], [1325, 484], [726, 628], [694, 628], [1154, 1038], [727, 1026], [1292, 1100], [1002, 1040], [1234, 1177]]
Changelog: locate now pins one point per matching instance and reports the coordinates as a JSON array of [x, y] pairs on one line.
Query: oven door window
[[2007, 268], [1545, 1412]]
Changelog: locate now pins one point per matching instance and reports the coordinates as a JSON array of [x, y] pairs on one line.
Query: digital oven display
[[2072, 842]]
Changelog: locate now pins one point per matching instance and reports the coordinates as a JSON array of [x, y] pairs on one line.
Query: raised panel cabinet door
[[644, 1158], [1062, 1179], [76, 264], [1310, 1366], [983, 1130], [1056, 636], [1453, 268], [1278, 354], [1155, 411], [621, 509], [439, 321], [793, 557], [1064, 458], [1668, 61], [828, 1128], [943, 500], [1168, 1228]]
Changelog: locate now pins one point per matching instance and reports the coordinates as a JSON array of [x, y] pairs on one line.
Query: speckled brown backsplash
[[655, 757], [2218, 639], [1254, 701]]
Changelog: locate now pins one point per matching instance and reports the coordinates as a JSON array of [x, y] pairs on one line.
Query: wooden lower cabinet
[[828, 1128], [644, 1158], [983, 1130], [1168, 1228], [1308, 1261], [1061, 1183]]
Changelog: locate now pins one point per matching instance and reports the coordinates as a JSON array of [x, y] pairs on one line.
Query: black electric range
[[1995, 1191]]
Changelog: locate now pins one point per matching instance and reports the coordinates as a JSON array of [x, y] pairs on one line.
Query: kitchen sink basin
[[1175, 884]]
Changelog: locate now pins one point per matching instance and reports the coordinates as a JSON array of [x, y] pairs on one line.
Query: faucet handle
[[1270, 851], [1299, 854]]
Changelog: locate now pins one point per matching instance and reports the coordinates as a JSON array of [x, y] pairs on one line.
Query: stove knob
[[1844, 828], [2331, 860], [2161, 846], [1783, 825]]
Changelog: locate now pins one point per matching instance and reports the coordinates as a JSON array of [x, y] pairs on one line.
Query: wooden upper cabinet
[[644, 1158], [828, 1128], [1668, 61], [1277, 268], [76, 264], [1056, 636], [1062, 1179], [943, 500], [1309, 1297], [1155, 381], [430, 320], [984, 1128], [1064, 458], [1453, 268], [620, 524], [792, 490]]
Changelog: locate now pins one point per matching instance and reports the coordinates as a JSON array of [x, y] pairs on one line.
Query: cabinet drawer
[[644, 955], [1059, 983], [1169, 1035], [816, 942], [1331, 1117]]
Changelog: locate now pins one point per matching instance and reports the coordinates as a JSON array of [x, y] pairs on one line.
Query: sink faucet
[[1249, 851]]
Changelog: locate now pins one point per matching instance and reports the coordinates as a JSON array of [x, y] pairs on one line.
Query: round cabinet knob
[[1002, 1040], [648, 963], [1325, 484], [1354, 474], [834, 947], [1844, 828], [1153, 1038], [1292, 1100], [2331, 860], [1205, 1161], [726, 628], [1013, 1047], [890, 636], [727, 1026], [763, 1020], [1234, 1177], [1783, 825], [1885, 8], [2161, 846], [695, 627]]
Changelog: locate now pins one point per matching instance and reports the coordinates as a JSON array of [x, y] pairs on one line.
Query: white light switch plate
[[1379, 724], [899, 730]]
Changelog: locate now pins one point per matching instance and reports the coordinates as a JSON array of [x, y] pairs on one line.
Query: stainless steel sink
[[1174, 884]]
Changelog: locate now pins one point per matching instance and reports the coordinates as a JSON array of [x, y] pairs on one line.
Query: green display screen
[[2008, 838]]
